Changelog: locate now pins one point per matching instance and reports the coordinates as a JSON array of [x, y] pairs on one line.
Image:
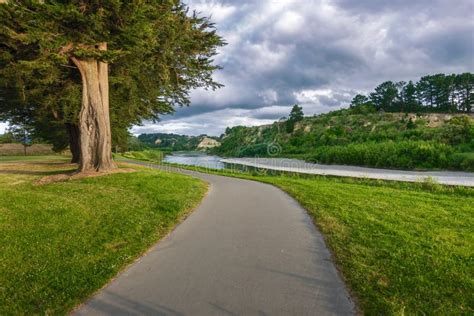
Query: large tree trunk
[[94, 122], [74, 147]]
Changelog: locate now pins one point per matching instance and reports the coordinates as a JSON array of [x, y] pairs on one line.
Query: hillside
[[174, 142], [352, 137]]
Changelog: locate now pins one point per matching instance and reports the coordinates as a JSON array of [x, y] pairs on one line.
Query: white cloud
[[3, 127], [320, 53], [217, 11], [290, 23]]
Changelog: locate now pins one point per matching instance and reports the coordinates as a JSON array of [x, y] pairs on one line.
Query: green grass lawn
[[403, 248], [61, 242], [151, 155]]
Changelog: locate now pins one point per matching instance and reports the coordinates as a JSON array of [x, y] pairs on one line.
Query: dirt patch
[[79, 175]]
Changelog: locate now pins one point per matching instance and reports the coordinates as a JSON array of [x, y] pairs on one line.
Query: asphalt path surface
[[248, 249]]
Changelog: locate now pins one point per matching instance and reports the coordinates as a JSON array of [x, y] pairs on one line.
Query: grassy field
[[403, 248], [61, 242], [152, 155]]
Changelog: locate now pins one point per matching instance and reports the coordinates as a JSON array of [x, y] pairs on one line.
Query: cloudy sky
[[319, 53]]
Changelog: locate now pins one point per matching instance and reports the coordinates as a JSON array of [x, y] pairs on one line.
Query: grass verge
[[61, 242], [152, 155], [403, 248]]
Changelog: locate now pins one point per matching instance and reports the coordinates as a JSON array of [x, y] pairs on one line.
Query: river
[[298, 166], [192, 158]]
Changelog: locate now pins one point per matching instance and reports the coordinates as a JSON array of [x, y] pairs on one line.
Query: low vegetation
[[361, 136], [403, 248], [146, 155], [61, 242]]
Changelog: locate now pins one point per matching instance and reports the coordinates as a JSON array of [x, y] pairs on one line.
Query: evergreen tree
[[426, 91], [465, 90], [296, 115], [359, 100], [440, 93], [410, 97], [385, 95], [51, 51]]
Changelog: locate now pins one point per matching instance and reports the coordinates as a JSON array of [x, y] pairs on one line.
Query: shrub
[[404, 154], [462, 161], [253, 150]]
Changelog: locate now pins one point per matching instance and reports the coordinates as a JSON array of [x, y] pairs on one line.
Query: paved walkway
[[248, 249], [299, 166]]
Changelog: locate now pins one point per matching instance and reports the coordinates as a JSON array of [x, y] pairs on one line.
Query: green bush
[[462, 161], [404, 154], [468, 163], [253, 150], [458, 130]]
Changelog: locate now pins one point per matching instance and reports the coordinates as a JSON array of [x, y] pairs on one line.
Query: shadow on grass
[[36, 173]]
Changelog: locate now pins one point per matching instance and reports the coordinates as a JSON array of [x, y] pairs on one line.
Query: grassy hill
[[365, 138]]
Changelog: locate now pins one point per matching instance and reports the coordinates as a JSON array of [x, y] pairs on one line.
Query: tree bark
[[95, 141], [73, 133]]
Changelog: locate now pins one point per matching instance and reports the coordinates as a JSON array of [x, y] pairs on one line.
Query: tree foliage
[[157, 51], [296, 115], [433, 93]]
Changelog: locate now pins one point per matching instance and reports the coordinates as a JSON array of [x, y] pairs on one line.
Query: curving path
[[248, 249]]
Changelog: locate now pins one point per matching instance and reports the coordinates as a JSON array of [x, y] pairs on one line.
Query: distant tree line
[[433, 93]]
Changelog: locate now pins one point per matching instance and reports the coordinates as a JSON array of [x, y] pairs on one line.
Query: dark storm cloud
[[319, 53]]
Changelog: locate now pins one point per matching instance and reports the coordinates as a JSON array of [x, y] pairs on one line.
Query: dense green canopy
[[432, 93], [157, 51]]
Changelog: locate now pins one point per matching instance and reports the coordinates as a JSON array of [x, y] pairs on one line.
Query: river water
[[195, 159], [298, 166]]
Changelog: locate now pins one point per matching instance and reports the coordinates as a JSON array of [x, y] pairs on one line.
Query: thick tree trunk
[[94, 122], [74, 147]]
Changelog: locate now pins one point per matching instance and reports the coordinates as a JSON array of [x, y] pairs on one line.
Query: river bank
[[200, 159]]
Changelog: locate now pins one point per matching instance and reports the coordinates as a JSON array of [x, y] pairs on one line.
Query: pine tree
[[296, 115], [385, 96]]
